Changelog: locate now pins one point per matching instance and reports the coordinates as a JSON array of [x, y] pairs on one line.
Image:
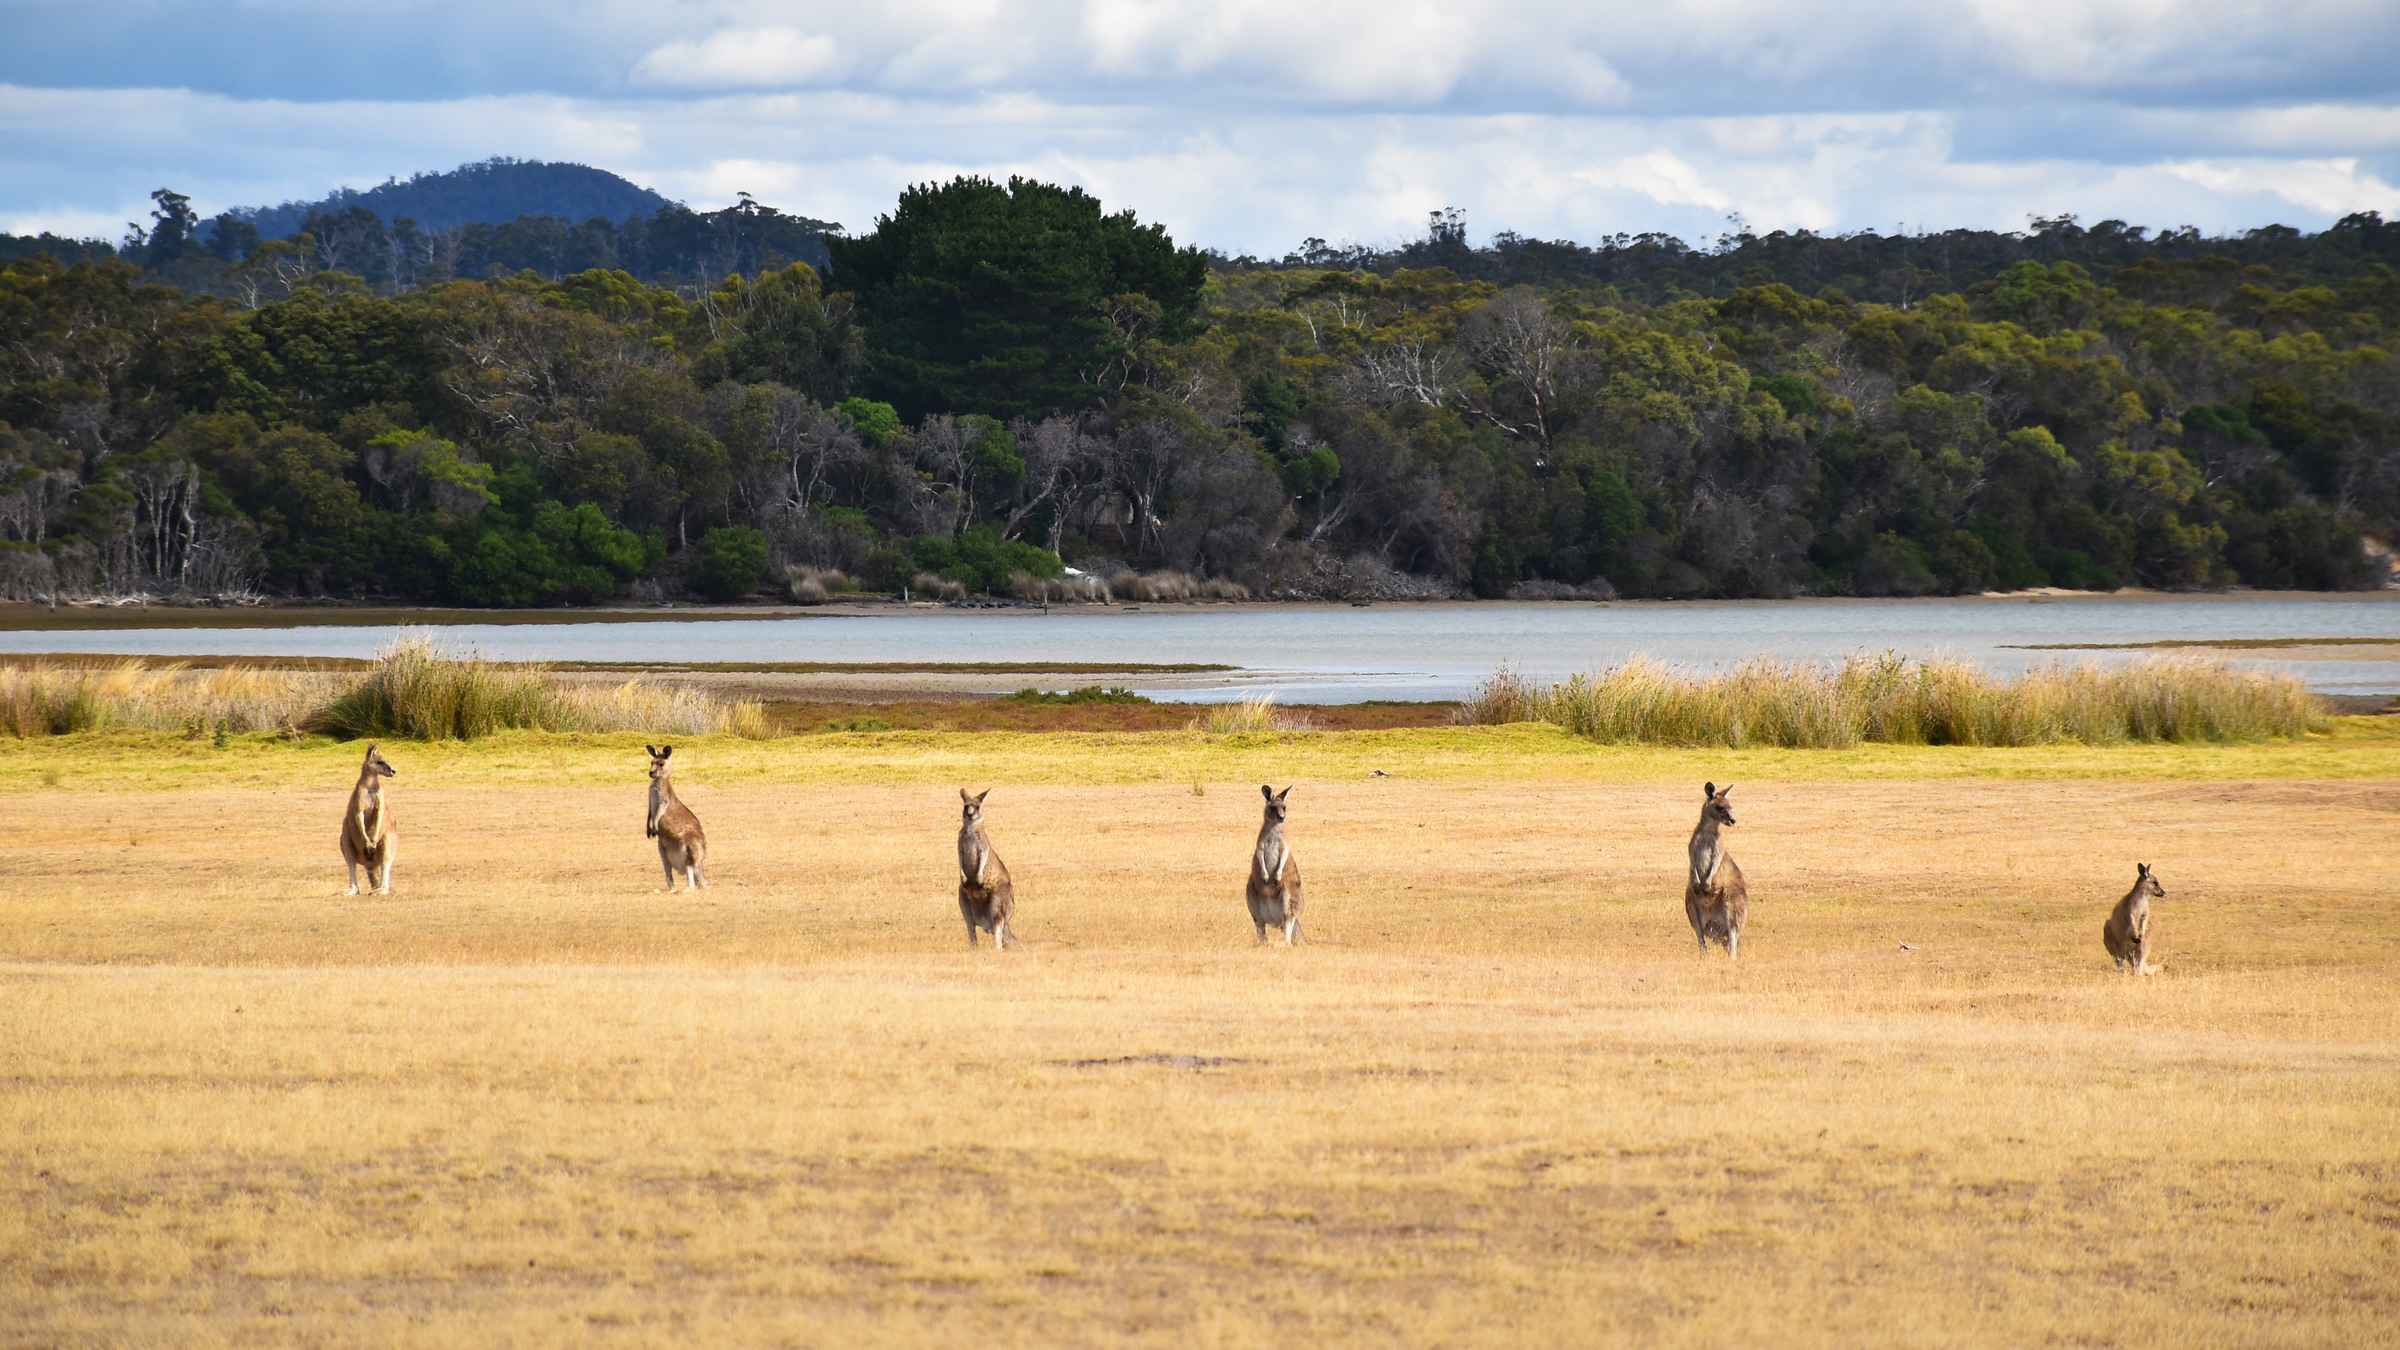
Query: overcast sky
[[1242, 124]]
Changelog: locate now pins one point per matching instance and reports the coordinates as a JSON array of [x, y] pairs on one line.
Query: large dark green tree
[[997, 298]]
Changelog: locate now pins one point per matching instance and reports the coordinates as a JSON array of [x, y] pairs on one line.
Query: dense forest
[[1000, 379]]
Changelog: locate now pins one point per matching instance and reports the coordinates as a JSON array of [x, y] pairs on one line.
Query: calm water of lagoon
[[1328, 654]]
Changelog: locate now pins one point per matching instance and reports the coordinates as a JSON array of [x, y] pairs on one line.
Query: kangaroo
[[1715, 898], [1274, 890], [2127, 932], [681, 845], [985, 898], [368, 839]]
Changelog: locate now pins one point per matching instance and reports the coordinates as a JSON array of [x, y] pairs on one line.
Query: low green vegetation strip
[[1077, 697], [1896, 700]]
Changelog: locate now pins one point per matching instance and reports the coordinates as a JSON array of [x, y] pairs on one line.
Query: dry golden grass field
[[1498, 1098]]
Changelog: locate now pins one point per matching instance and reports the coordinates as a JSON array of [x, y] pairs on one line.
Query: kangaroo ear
[[2141, 869], [665, 750], [371, 746], [651, 748], [981, 795], [965, 796], [1725, 791], [1266, 792], [1287, 791], [1708, 789]]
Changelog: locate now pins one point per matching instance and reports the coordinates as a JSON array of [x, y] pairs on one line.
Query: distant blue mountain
[[492, 192]]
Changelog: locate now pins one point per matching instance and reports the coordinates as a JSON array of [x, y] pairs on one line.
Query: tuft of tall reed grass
[[417, 691], [1895, 699], [1257, 713], [414, 691]]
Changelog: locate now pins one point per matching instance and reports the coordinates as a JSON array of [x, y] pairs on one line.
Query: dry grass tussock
[[46, 700], [1171, 586], [929, 586], [816, 585], [1497, 1101], [1894, 699], [1252, 715], [413, 691], [1075, 590]]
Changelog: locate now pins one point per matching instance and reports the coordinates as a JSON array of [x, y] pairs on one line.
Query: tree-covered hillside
[[999, 377]]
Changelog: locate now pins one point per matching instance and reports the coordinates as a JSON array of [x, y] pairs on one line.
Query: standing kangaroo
[[2127, 932], [1715, 898], [1274, 890], [681, 845], [368, 839], [985, 898]]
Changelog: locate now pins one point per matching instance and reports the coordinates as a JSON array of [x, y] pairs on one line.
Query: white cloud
[[741, 58], [2324, 187], [1659, 176], [1247, 124], [74, 223]]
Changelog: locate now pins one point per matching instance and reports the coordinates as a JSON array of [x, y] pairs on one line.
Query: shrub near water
[[1893, 699]]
